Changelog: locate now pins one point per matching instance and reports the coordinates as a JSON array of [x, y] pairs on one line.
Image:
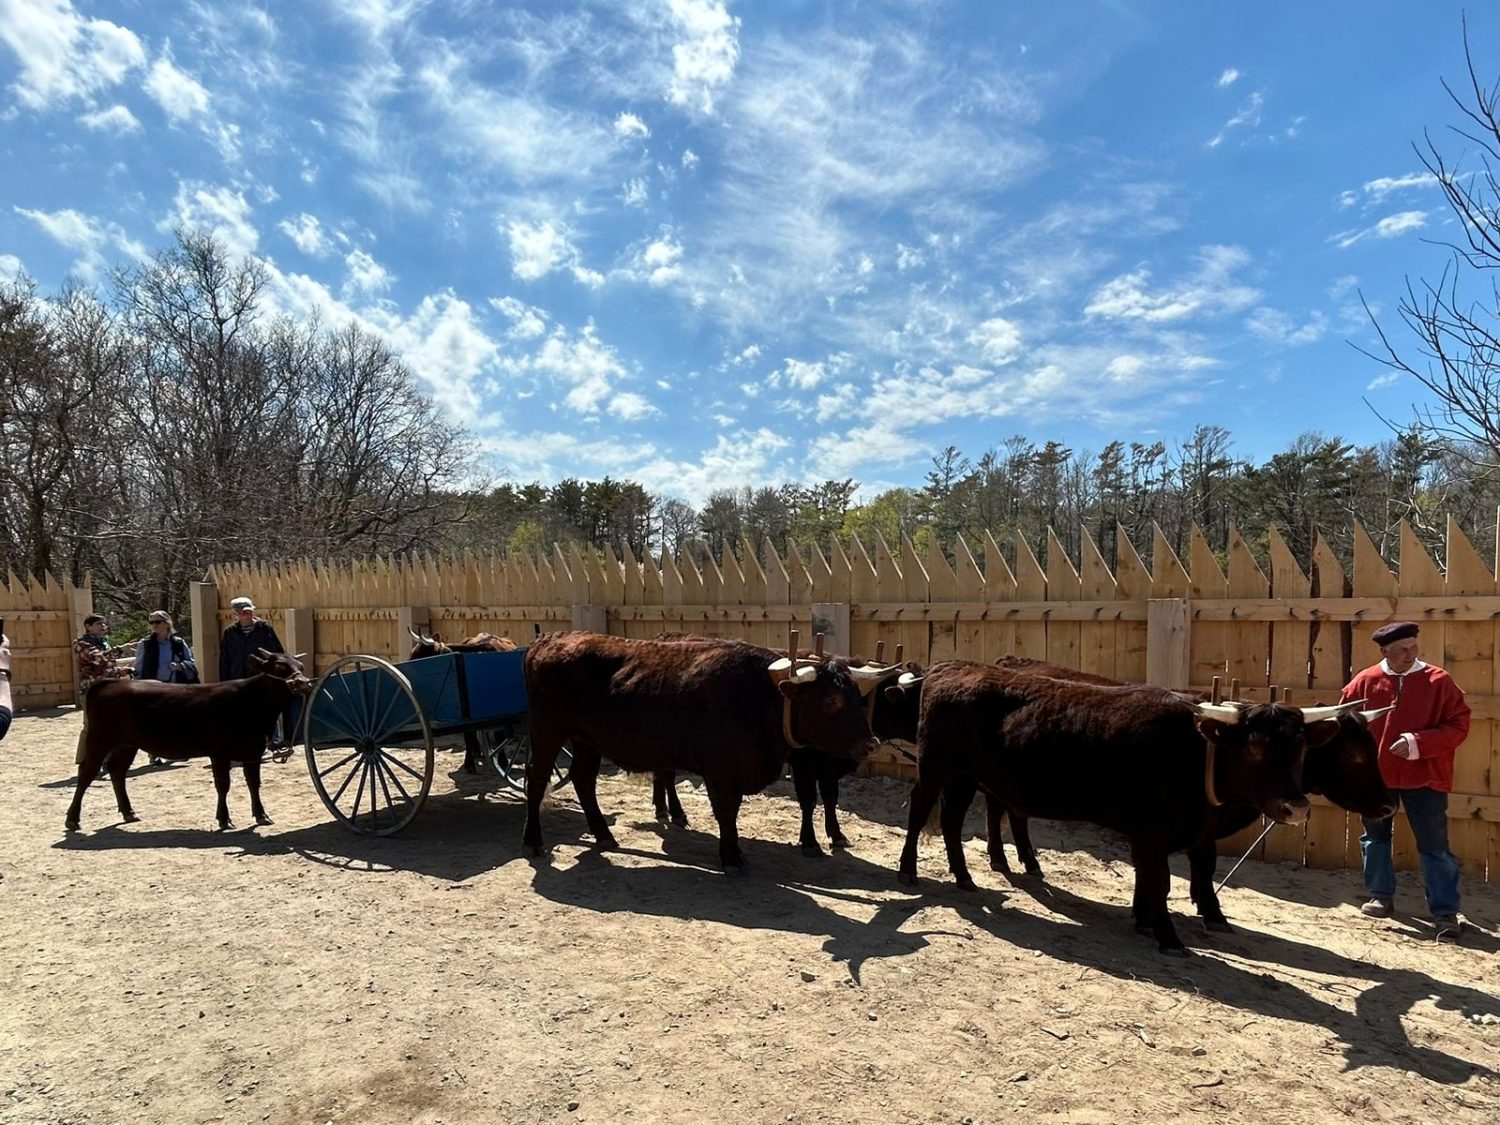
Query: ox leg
[[252, 783], [546, 745], [220, 765], [1020, 832], [664, 798], [925, 795], [471, 751], [828, 789], [675, 810], [1153, 879], [88, 770], [994, 847], [119, 765], [805, 782], [726, 806], [1203, 858], [957, 797], [585, 776]]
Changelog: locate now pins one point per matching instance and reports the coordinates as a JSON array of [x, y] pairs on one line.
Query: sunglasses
[[246, 611]]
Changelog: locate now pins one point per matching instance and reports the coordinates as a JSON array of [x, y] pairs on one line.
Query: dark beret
[[1395, 631]]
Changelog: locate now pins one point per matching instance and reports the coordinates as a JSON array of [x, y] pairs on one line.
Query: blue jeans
[[1427, 813]]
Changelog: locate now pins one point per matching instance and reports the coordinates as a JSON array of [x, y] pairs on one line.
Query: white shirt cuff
[[1411, 742]]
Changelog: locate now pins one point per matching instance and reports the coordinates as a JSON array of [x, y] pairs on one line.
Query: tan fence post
[[411, 619], [832, 620], [203, 598], [300, 637], [1167, 641], [590, 619]]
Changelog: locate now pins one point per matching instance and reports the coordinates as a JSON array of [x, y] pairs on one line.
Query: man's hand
[[1403, 748]]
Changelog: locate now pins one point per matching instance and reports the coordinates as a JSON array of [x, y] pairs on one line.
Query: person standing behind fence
[[249, 634], [97, 660], [1418, 741]]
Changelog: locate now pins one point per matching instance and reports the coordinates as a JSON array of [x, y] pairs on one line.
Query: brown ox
[[1139, 760], [716, 709], [423, 646], [1345, 769], [224, 722]]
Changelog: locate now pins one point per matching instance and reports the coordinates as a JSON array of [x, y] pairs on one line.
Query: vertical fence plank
[[999, 586], [1031, 586], [1209, 654], [1097, 638], [1134, 583], [968, 586], [1063, 585]]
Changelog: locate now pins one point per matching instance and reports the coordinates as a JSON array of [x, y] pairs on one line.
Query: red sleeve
[[1451, 727]]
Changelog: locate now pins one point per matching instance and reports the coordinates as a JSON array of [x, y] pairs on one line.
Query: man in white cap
[[1417, 741], [248, 634]]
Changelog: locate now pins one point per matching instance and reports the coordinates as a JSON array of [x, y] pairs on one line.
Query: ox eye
[[832, 704]]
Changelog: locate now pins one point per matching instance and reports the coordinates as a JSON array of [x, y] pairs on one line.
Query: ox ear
[[1212, 729], [788, 688], [895, 693]]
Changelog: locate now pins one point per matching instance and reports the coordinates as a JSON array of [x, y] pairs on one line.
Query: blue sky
[[706, 244]]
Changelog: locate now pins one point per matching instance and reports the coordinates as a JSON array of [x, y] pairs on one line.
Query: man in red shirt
[[1417, 741]]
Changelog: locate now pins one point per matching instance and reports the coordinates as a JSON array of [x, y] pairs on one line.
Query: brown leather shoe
[[1378, 908]]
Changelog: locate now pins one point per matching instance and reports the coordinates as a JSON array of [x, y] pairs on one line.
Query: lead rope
[[1264, 833]]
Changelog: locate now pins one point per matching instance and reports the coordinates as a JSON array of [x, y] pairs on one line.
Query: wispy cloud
[[64, 55], [223, 211], [1227, 78], [1246, 117], [97, 241], [1391, 226], [307, 233], [1279, 328], [1211, 290], [1376, 191], [180, 95], [539, 248], [116, 119], [705, 55]]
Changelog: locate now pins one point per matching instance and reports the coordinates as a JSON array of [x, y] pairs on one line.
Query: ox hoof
[[70, 826], [906, 878], [812, 849], [966, 883], [734, 870], [131, 817], [225, 825], [606, 842], [680, 821], [839, 842], [264, 821], [1218, 926], [1035, 870], [999, 865], [663, 818], [1174, 951]]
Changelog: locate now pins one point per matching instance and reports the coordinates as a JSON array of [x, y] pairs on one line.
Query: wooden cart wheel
[[509, 753], [368, 745]]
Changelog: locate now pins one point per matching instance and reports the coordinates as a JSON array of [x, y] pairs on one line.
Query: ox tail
[[934, 825]]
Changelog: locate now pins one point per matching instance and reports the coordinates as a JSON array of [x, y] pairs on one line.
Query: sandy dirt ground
[[166, 972]]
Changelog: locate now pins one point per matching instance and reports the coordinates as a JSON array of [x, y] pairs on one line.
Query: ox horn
[[416, 636], [788, 669], [1318, 714], [1224, 712], [1371, 716], [909, 679], [869, 677]]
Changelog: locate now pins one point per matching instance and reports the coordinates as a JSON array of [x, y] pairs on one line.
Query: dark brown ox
[[716, 709], [423, 646], [1345, 769], [815, 773], [1139, 760], [224, 722]]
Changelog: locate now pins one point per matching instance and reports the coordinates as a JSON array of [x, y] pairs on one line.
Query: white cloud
[[635, 193], [629, 125], [1277, 327], [526, 321], [446, 347], [631, 407], [1228, 78], [307, 232], [908, 257], [998, 340], [64, 55], [660, 261], [116, 119], [704, 57], [736, 458], [689, 159], [1211, 289], [179, 94], [89, 236], [1378, 189], [1380, 382], [1389, 227], [10, 267], [1247, 117], [799, 375], [587, 368], [223, 211], [366, 275], [536, 249]]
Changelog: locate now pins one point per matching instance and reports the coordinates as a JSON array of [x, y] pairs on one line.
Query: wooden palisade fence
[[1169, 623], [42, 616]]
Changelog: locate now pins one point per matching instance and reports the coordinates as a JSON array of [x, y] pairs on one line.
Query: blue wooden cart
[[369, 729]]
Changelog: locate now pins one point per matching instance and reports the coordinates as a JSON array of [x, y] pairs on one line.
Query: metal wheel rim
[[379, 771], [511, 758]]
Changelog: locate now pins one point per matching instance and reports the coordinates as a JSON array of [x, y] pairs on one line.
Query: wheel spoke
[[324, 773], [359, 795], [381, 733], [347, 780], [387, 772], [364, 699], [398, 762]]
